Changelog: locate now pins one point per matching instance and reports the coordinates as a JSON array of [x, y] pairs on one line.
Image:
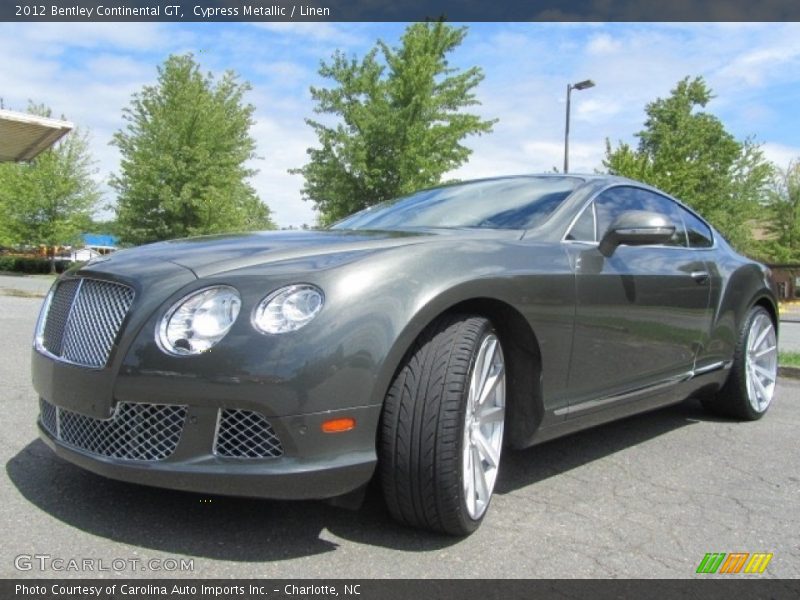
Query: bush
[[31, 265]]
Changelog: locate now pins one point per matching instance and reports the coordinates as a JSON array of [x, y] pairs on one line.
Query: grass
[[789, 359], [21, 293], [28, 275]]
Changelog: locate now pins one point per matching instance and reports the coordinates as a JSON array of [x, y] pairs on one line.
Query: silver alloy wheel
[[483, 427], [761, 367]]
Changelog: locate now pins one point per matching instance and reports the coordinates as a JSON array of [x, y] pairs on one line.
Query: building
[[24, 136], [787, 278], [94, 245]]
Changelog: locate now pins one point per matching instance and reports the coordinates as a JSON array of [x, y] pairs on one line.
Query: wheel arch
[[743, 286], [768, 304], [524, 401]]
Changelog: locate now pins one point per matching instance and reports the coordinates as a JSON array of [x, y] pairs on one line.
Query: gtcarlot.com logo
[[735, 562], [47, 562]]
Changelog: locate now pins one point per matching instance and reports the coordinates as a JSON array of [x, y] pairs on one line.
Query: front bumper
[[293, 383], [313, 465]]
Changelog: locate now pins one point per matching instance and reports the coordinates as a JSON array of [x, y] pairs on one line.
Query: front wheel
[[442, 427], [751, 384]]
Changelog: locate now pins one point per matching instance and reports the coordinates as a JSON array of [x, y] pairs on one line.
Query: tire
[[431, 433], [750, 388]]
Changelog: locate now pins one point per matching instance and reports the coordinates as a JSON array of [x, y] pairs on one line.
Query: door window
[[615, 201], [697, 232]]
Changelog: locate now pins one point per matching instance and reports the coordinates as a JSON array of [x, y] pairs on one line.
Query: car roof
[[585, 177], [597, 179]]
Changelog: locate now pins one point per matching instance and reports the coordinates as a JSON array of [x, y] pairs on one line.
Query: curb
[[790, 372]]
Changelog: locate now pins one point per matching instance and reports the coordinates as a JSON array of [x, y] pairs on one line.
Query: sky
[[88, 72]]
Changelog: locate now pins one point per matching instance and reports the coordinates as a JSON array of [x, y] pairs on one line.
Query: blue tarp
[[100, 239]]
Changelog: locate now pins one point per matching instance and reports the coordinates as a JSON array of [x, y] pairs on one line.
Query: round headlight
[[198, 321], [288, 309]]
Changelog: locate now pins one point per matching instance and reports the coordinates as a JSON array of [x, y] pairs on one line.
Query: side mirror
[[637, 228]]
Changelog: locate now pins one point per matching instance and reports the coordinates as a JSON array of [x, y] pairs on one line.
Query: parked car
[[419, 339]]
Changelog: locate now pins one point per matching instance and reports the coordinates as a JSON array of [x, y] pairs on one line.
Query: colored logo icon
[[735, 562]]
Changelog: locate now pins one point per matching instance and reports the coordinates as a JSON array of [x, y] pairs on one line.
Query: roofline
[[11, 115], [44, 133]]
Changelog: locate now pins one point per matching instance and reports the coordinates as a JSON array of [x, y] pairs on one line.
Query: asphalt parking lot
[[645, 497]]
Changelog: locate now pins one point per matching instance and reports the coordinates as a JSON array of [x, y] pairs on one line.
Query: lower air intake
[[246, 434], [135, 431]]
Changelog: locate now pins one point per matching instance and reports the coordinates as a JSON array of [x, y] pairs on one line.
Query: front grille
[[83, 320], [49, 417], [245, 434], [134, 432]]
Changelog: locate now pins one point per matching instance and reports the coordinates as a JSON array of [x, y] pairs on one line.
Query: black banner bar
[[710, 588], [398, 10]]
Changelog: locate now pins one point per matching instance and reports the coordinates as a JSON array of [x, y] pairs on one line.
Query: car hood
[[209, 255]]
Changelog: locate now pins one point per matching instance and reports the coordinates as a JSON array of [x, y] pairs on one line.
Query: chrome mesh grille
[[246, 434], [57, 315], [83, 320], [49, 417], [135, 431]]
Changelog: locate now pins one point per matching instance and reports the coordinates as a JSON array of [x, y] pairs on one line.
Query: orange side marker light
[[338, 425]]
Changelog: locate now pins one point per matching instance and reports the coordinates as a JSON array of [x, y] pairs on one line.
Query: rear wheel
[[751, 384], [442, 427]]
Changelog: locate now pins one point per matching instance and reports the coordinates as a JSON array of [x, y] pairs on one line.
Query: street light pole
[[581, 85], [566, 132]]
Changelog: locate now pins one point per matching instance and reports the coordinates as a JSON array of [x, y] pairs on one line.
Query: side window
[[668, 208], [614, 202], [583, 229], [699, 233]]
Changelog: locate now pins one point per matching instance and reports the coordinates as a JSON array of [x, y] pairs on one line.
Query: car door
[[641, 312]]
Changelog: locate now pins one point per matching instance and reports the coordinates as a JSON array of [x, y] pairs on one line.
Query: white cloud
[[603, 44], [285, 72], [316, 31], [596, 109], [53, 37], [781, 154], [283, 145], [761, 65]]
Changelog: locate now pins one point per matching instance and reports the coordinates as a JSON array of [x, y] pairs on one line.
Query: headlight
[[288, 309], [38, 336], [198, 321]]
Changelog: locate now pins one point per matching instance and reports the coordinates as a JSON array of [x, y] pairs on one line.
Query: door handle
[[700, 276]]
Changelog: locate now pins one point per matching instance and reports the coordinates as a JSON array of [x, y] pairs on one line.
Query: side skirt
[[592, 413]]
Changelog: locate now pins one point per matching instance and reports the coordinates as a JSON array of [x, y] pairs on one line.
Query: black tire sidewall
[[421, 448]]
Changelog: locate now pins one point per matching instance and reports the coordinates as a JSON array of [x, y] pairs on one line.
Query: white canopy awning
[[23, 136]]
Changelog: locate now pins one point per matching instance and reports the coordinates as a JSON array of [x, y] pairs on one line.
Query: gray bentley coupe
[[416, 340]]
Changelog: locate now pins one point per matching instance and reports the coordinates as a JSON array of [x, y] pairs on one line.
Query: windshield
[[509, 203]]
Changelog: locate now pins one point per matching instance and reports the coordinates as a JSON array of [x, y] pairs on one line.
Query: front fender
[[543, 297]]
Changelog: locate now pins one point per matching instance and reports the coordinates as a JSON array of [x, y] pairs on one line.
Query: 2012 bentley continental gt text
[[417, 339]]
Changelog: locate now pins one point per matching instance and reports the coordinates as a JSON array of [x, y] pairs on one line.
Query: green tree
[[49, 200], [184, 157], [688, 153], [783, 216], [397, 123]]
